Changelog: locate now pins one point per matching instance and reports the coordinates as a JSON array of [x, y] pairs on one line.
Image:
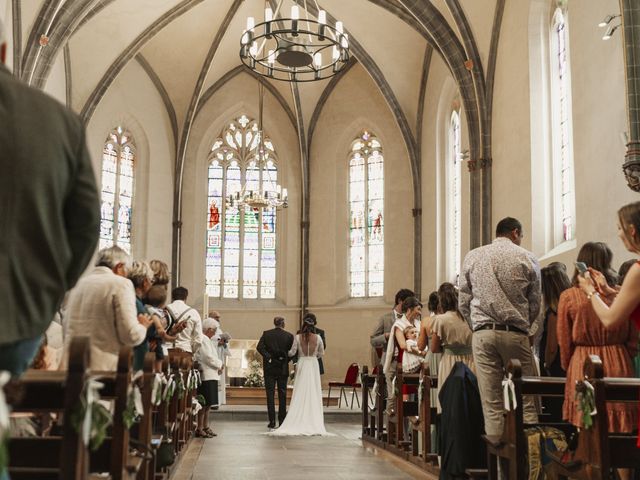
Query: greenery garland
[[586, 402]]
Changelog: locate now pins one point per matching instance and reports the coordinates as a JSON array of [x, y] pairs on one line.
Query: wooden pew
[[55, 457], [598, 451], [395, 423], [421, 423], [367, 381], [510, 448], [373, 418]]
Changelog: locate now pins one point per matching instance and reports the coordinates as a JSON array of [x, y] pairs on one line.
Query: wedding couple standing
[[278, 347]]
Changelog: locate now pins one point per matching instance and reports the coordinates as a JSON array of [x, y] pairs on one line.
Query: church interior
[[275, 181]]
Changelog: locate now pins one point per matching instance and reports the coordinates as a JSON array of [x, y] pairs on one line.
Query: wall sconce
[[610, 31], [606, 21]]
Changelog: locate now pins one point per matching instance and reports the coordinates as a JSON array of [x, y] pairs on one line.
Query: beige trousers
[[492, 350]]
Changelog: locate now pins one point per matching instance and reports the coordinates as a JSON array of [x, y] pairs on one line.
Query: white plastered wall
[[354, 105], [243, 319], [599, 118], [133, 102]]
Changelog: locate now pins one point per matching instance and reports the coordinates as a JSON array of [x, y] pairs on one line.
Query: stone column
[[475, 207], [487, 225], [631, 31]]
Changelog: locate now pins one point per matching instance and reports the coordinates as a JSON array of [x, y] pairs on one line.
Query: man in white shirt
[[189, 339]]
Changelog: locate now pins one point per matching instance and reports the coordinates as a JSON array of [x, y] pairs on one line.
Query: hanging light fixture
[[294, 49], [267, 193]]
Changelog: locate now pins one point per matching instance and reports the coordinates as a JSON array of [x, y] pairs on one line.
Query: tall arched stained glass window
[[563, 181], [241, 242], [118, 161], [366, 202], [454, 218]]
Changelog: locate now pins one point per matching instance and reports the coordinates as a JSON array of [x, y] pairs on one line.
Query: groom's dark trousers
[[274, 346]]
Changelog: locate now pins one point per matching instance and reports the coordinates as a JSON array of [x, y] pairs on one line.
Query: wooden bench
[[598, 451], [395, 423], [54, 457], [373, 418], [510, 448], [421, 423]]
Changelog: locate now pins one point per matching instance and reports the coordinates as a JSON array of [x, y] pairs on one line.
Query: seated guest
[[103, 307], [211, 367], [450, 334], [580, 333]]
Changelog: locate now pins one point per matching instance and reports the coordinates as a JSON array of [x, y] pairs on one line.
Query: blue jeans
[[16, 357]]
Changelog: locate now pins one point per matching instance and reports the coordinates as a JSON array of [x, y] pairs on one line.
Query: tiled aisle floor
[[240, 452]]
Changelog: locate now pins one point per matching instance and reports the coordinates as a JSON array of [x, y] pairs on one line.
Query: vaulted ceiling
[[192, 45]]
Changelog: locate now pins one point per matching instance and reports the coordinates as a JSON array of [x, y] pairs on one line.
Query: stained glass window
[[118, 161], [455, 196], [366, 228], [241, 242], [562, 157]]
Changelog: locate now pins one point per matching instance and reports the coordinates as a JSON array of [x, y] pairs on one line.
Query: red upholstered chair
[[350, 381]]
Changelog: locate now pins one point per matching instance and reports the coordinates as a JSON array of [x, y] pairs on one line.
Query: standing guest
[[433, 358], [554, 282], [622, 307], [380, 338], [274, 346], [450, 334], [141, 276], [190, 338], [221, 340], [311, 318], [160, 273], [411, 312], [624, 269], [500, 298], [50, 213], [103, 307], [156, 299], [580, 334], [210, 365]]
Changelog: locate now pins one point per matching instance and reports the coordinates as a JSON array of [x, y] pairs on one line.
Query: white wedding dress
[[305, 415]]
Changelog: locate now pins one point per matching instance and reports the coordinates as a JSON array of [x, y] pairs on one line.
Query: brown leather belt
[[501, 327]]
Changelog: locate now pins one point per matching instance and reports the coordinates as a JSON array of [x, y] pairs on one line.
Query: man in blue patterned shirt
[[500, 297]]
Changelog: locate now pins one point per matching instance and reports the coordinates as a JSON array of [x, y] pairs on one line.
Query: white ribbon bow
[[508, 387], [420, 385], [91, 391], [168, 386], [189, 380], [195, 405], [134, 390], [4, 408]]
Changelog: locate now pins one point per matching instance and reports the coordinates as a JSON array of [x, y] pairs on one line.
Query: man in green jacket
[[49, 213]]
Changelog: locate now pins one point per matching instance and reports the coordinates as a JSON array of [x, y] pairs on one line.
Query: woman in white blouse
[[211, 366]]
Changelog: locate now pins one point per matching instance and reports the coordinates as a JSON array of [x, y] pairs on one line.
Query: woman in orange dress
[[581, 333]]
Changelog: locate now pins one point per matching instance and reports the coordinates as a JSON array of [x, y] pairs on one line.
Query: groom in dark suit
[[274, 346]]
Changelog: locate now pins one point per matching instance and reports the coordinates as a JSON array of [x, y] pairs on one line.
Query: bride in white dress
[[305, 415]]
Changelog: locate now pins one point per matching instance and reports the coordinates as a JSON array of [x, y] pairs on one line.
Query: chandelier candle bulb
[[322, 22], [339, 27], [295, 16], [285, 194], [271, 57], [268, 14], [317, 59], [251, 23]]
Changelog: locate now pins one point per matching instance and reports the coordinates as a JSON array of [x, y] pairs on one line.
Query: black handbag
[[165, 455]]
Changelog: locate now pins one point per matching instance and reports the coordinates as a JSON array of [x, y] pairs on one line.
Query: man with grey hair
[[103, 306], [50, 213]]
